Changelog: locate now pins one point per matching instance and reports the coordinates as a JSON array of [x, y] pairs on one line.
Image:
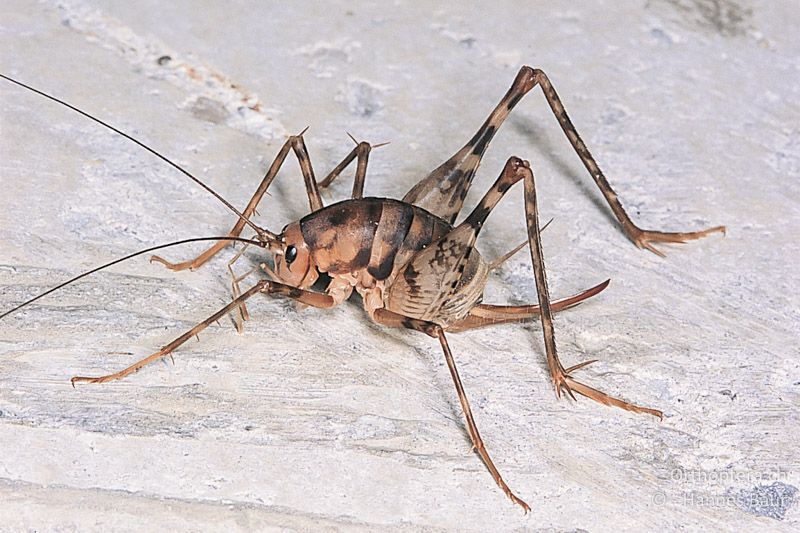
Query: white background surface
[[319, 418]]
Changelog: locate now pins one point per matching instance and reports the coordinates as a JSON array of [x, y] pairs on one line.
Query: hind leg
[[443, 191], [642, 238], [562, 378], [519, 170], [483, 315]]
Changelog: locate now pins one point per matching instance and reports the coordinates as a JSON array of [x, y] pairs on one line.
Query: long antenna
[[120, 260], [141, 144]]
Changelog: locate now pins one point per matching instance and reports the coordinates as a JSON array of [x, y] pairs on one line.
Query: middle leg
[[361, 152], [388, 318], [294, 143], [561, 376]]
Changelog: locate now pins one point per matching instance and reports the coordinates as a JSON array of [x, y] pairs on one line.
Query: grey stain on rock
[[361, 98], [724, 17], [661, 36], [209, 110], [765, 500]]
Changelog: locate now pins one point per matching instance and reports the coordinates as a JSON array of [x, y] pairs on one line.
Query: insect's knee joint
[[527, 78], [515, 163], [538, 75]]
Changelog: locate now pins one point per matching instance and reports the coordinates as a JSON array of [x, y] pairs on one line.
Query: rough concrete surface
[[314, 419]]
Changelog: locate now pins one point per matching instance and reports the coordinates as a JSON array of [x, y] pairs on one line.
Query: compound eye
[[291, 254]]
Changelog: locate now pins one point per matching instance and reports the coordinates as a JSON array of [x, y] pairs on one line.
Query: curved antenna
[[141, 144], [120, 260]]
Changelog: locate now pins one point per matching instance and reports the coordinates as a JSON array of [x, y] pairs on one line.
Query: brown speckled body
[[367, 244], [413, 267]]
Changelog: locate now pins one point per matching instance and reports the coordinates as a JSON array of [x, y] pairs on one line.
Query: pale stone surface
[[319, 419]]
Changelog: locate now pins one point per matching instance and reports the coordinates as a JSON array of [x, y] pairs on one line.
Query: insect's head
[[294, 264]]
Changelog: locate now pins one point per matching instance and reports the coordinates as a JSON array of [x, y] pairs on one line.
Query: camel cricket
[[413, 266]]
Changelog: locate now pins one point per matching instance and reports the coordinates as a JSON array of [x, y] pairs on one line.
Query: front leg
[[294, 143]]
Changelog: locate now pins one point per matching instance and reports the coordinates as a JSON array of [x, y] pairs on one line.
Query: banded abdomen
[[373, 234], [384, 237]]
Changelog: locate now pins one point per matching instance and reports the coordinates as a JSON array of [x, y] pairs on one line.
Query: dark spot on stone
[[661, 36], [467, 42], [725, 17], [362, 98], [209, 110], [163, 60], [765, 500]]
